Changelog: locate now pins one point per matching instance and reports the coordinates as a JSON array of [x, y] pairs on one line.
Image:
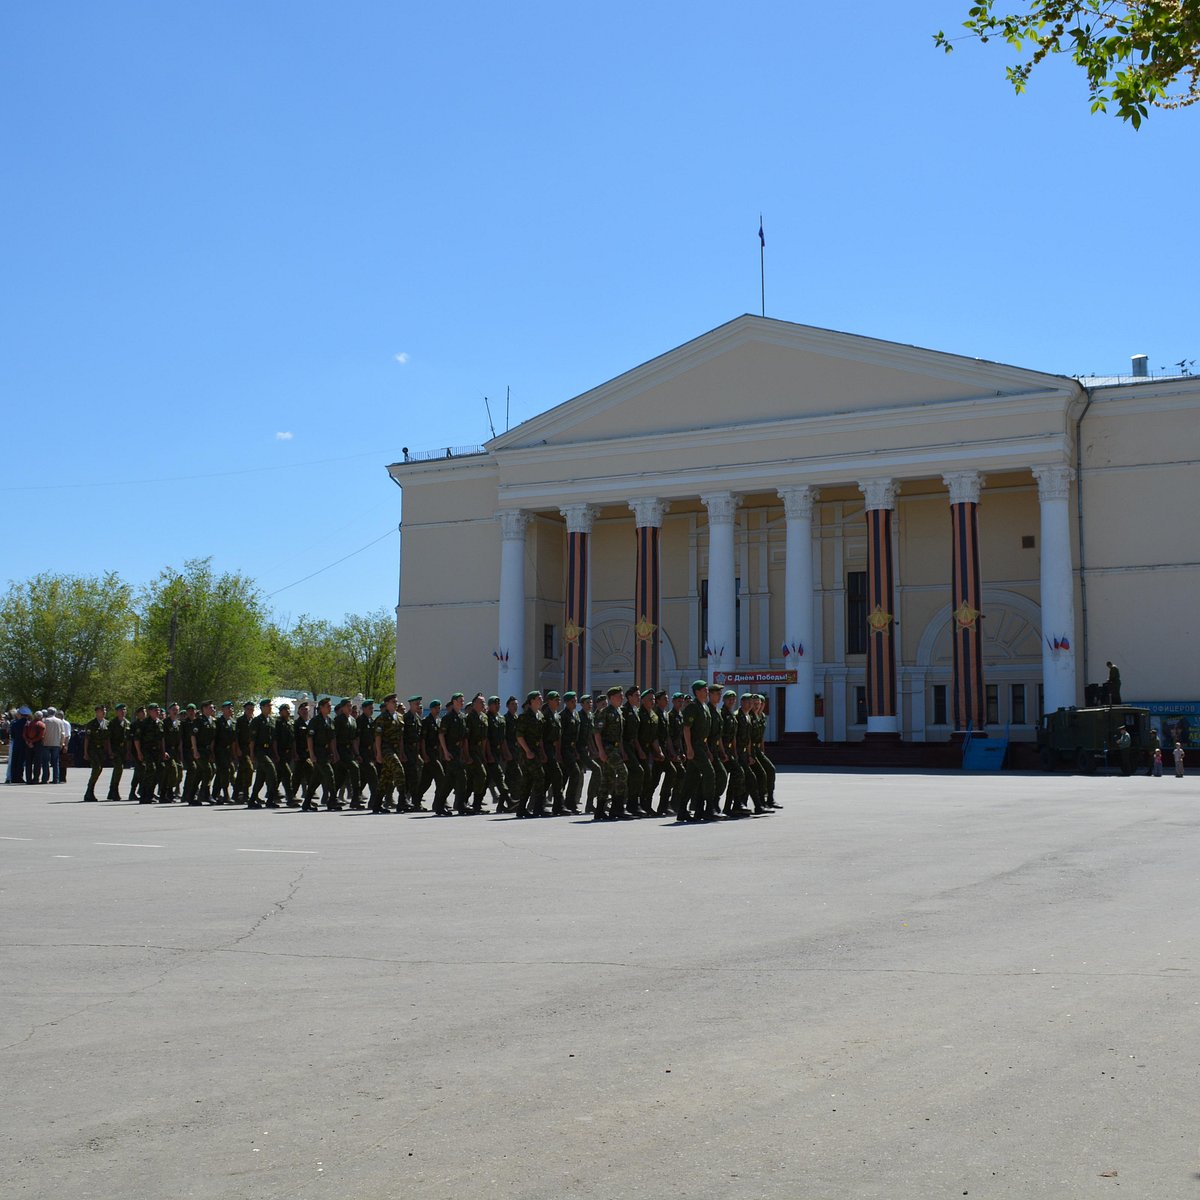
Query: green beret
[[367, 700], [553, 696], [392, 696], [226, 703], [247, 703], [633, 690], [120, 707], [615, 690], [729, 692], [152, 704], [534, 695], [660, 695], [191, 708], [648, 694], [493, 699], [511, 700], [324, 700], [570, 695], [265, 700], [412, 699], [678, 696], [699, 683], [747, 697], [457, 696], [435, 704]]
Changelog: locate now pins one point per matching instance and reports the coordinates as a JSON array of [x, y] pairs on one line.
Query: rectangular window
[[1017, 704], [856, 612], [548, 642], [860, 706], [939, 704], [702, 650], [992, 703]]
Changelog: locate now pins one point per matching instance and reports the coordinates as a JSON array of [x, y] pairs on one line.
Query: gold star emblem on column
[[644, 628], [572, 633], [878, 619], [965, 616]]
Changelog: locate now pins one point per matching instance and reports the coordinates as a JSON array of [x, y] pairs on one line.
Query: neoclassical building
[[882, 539]]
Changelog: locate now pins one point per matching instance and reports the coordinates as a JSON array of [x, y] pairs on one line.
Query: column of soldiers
[[640, 754]]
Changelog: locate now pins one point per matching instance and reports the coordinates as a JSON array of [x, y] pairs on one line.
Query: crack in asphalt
[[278, 906]]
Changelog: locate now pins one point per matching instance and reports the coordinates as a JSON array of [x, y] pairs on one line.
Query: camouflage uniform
[[171, 773], [391, 733], [650, 744], [414, 758], [572, 767]]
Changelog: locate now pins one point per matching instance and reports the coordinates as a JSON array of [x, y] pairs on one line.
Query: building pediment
[[760, 371]]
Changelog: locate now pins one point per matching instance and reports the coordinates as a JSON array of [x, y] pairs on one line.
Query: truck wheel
[[1085, 762], [1048, 758]]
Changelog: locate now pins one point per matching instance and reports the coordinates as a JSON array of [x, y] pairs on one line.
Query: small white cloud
[[402, 358], [283, 436]]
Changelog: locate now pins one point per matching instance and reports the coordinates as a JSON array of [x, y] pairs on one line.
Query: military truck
[[1086, 738]]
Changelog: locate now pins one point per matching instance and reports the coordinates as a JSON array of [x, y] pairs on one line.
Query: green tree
[[61, 638], [1138, 54], [305, 656], [221, 645], [368, 650]]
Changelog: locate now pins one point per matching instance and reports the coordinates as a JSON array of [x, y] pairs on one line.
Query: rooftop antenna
[[489, 415], [507, 399]]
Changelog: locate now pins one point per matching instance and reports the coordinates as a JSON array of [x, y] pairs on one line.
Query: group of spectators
[[37, 745]]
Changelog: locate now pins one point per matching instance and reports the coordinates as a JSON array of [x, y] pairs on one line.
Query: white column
[[511, 673], [798, 607], [722, 601], [1057, 586]]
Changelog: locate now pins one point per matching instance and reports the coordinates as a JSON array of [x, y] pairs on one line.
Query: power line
[[332, 564], [288, 466]]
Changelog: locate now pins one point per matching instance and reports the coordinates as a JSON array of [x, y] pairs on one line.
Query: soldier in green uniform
[[699, 782], [513, 774], [452, 732], [95, 748], [388, 731], [262, 752], [185, 749], [475, 761], [650, 747], [735, 783], [148, 747], [345, 771], [224, 753], [568, 753], [118, 748], [135, 784], [414, 758], [368, 770], [760, 752], [171, 743], [610, 742], [716, 751], [435, 770], [665, 768], [285, 752], [202, 735], [322, 753], [241, 755], [530, 737], [497, 749], [752, 776], [301, 767], [587, 752], [631, 724], [551, 747]]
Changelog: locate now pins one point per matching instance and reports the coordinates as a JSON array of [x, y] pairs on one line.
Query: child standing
[[1178, 753], [1156, 770]]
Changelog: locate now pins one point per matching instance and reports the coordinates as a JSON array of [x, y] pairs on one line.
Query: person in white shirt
[[52, 745]]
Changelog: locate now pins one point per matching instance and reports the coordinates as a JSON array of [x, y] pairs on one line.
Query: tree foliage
[[1137, 54], [220, 638], [61, 638], [320, 657]]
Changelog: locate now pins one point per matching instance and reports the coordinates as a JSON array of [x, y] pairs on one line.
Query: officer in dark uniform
[[262, 754], [530, 737], [513, 775], [322, 753], [172, 740], [650, 748], [241, 755], [301, 767], [552, 746], [587, 752], [452, 733], [345, 771], [610, 742], [118, 748], [135, 785], [224, 753], [716, 750], [190, 713], [631, 726], [667, 766], [475, 762], [367, 768], [202, 732], [735, 780], [95, 748], [497, 749], [285, 752], [568, 753], [435, 768]]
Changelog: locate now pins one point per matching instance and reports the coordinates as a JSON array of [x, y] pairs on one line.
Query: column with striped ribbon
[[966, 599], [648, 515], [579, 518], [881, 620]]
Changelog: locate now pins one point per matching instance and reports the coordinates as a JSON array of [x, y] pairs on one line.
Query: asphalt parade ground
[[902, 985]]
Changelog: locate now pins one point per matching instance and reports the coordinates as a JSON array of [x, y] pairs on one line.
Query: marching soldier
[[241, 755], [414, 758], [118, 748], [262, 757], [752, 776], [529, 741], [760, 753], [699, 782], [224, 753], [631, 725], [435, 768], [390, 733], [475, 762], [172, 740], [285, 752], [345, 731], [201, 734], [135, 784], [301, 766], [587, 752], [716, 749], [551, 751], [734, 791], [148, 747], [322, 753], [650, 745], [368, 772], [610, 743], [95, 748], [568, 748], [513, 774], [668, 767], [452, 732], [497, 749]]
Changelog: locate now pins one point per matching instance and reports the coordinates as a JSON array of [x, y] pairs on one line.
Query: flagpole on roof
[[762, 265]]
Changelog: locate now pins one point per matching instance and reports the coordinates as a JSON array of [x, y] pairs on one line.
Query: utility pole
[[171, 651]]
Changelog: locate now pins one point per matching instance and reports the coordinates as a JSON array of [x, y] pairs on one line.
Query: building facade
[[883, 539]]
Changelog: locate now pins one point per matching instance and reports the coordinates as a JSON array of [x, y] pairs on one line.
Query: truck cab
[[1084, 739]]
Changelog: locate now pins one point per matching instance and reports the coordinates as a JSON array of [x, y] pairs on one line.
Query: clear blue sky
[[225, 222]]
